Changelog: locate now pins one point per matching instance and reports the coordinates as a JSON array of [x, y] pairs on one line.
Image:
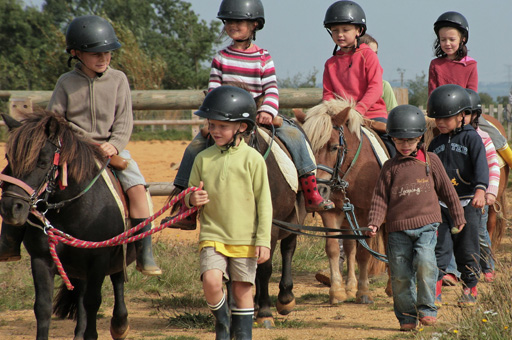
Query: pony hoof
[[338, 297], [285, 309], [351, 295], [364, 299], [117, 336], [267, 322]]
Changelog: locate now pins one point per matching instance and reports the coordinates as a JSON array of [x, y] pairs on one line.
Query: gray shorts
[[131, 176], [241, 269]]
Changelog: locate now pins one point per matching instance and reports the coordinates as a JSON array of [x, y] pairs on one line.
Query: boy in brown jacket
[[406, 196]]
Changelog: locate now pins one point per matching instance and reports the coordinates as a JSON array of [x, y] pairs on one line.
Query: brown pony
[[334, 129]]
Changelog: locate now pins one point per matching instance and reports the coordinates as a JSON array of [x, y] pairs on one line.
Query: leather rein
[[38, 198]]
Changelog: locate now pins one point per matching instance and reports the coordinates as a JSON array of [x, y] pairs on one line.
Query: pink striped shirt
[[253, 67], [492, 161]]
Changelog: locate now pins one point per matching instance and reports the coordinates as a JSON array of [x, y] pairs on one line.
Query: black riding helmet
[[453, 19], [476, 103], [91, 33], [406, 121], [345, 12], [229, 103], [242, 10], [447, 101]]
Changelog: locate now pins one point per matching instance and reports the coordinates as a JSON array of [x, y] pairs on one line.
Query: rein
[[297, 229], [339, 183], [55, 235], [46, 187]]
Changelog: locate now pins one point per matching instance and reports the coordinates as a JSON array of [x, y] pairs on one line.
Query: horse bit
[[336, 182]]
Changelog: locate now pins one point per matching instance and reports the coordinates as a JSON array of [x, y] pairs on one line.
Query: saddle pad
[[283, 161], [115, 194], [378, 150]]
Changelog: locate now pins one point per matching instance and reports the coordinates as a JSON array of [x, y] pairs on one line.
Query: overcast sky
[[295, 37]]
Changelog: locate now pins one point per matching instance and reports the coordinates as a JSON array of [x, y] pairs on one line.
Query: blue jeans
[[288, 133], [412, 260], [198, 144], [486, 259], [296, 144]]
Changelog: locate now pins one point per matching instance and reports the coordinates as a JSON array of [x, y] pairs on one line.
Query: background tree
[[486, 99], [418, 90], [30, 58], [165, 30], [165, 45]]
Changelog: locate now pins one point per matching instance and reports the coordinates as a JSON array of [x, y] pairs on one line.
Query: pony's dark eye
[[334, 147], [42, 163]]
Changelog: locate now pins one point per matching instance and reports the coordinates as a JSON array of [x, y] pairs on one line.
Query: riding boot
[[314, 201], [188, 223], [145, 262], [222, 319], [506, 153], [10, 242], [242, 323]]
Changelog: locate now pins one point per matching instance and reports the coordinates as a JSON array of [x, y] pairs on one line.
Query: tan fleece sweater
[[99, 107]]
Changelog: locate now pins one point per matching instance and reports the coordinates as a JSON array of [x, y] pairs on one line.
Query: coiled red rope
[[55, 236]]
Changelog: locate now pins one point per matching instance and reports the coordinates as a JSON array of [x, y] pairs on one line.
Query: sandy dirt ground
[[344, 321]]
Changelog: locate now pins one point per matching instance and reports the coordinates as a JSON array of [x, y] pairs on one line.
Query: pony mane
[[429, 133], [318, 124], [25, 143]]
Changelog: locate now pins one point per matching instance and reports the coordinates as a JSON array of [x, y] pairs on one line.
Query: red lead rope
[[55, 236]]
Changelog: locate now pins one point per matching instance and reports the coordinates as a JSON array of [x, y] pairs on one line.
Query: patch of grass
[[188, 320], [490, 318], [177, 302], [16, 284], [312, 297], [287, 323], [309, 256], [180, 271], [180, 337]]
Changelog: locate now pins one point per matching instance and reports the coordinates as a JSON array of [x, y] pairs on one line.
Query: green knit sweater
[[240, 207]]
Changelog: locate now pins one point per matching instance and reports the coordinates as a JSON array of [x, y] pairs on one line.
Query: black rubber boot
[[145, 262], [222, 320], [242, 323], [10, 242]]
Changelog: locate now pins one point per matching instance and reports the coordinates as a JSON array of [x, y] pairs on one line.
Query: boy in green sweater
[[236, 209]]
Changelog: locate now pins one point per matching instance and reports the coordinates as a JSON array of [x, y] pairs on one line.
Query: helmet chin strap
[[99, 74], [233, 142]]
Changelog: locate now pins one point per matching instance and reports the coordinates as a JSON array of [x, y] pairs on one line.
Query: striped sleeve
[[492, 161], [254, 69]]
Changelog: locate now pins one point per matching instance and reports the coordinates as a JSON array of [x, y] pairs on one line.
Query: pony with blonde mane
[[334, 130]]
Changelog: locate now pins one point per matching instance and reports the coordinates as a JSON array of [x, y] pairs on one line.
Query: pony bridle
[[38, 196], [336, 182]]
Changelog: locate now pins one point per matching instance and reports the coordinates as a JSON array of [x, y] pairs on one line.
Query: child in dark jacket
[[462, 153]]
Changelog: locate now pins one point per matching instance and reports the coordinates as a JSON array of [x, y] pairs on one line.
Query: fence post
[[19, 107], [401, 95]]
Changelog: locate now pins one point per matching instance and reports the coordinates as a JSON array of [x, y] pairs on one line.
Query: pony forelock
[[318, 124]]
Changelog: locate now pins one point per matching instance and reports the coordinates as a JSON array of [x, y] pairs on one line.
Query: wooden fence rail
[[192, 99]]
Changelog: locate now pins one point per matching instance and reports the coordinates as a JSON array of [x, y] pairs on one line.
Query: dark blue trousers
[[465, 246]]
